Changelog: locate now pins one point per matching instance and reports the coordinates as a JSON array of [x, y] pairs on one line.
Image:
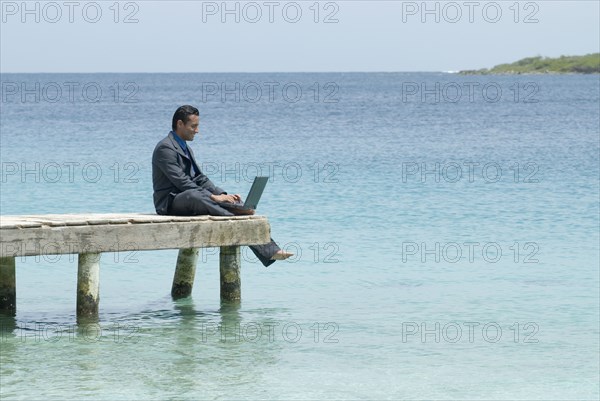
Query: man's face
[[188, 130]]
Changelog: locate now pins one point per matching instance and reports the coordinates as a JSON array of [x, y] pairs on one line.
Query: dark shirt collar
[[184, 147], [180, 141]]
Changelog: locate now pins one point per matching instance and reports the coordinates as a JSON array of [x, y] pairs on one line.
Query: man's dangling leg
[[265, 252]]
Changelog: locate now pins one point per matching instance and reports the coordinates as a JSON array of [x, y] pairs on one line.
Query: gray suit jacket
[[172, 174]]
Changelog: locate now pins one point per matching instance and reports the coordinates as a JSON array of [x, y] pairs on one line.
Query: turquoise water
[[445, 227]]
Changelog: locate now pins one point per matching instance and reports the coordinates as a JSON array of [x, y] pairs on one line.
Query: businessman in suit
[[180, 188]]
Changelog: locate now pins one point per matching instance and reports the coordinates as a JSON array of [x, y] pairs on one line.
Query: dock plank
[[81, 233]]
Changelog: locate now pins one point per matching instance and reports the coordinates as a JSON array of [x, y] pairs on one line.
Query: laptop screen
[[256, 191]]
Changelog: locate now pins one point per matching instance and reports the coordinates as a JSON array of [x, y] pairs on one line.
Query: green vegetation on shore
[[588, 64]]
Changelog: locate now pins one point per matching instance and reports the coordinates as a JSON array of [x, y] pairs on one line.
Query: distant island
[[588, 64]]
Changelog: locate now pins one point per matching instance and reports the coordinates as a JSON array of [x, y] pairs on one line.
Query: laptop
[[253, 196]]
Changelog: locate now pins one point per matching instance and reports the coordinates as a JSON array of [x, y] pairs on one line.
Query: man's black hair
[[183, 113]]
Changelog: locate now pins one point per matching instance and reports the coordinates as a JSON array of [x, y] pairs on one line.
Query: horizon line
[[218, 72]]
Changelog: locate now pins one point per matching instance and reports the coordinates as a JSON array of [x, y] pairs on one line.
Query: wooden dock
[[88, 235]]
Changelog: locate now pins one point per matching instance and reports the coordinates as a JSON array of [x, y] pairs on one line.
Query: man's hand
[[226, 198]]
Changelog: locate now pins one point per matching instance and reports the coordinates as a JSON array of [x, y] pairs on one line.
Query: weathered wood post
[[88, 285], [185, 271], [8, 285], [229, 267]]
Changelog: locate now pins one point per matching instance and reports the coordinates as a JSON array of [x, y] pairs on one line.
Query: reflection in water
[[215, 350], [175, 347], [230, 326], [8, 324], [8, 332]]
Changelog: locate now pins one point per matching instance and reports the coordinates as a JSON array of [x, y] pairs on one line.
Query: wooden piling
[[8, 285], [88, 285], [185, 271], [229, 267]]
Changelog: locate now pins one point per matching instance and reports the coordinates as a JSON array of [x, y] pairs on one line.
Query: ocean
[[445, 230]]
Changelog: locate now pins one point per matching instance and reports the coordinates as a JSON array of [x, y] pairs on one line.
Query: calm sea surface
[[446, 232]]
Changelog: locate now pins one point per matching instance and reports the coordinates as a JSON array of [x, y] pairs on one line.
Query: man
[[180, 188]]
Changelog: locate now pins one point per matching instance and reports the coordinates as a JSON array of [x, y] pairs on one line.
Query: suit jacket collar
[[191, 157], [178, 148]]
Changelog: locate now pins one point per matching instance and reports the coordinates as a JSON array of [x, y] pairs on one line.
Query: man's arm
[[204, 182], [165, 158]]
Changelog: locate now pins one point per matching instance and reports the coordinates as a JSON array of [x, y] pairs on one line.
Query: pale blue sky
[[171, 36]]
